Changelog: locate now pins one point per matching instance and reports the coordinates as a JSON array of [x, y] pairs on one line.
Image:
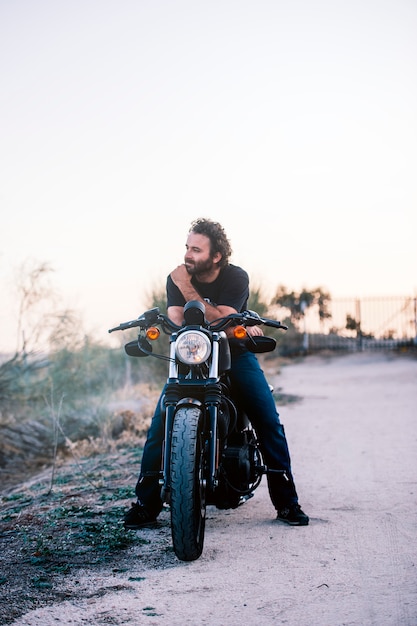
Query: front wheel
[[188, 503]]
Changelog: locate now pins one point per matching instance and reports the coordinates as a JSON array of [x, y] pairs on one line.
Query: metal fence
[[356, 324]]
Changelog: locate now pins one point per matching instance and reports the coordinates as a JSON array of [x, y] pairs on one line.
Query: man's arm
[[182, 279]]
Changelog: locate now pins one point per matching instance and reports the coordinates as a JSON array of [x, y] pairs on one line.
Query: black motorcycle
[[211, 454]]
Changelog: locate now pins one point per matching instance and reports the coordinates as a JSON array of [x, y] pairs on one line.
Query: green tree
[[297, 303], [352, 324]]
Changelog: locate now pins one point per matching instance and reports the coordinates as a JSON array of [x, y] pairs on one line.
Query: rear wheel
[[188, 502]]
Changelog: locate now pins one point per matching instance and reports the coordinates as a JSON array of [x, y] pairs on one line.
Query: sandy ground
[[353, 439]]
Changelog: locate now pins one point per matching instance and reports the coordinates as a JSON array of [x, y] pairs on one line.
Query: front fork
[[171, 405]]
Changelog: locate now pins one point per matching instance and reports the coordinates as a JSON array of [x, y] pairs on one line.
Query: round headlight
[[193, 347]]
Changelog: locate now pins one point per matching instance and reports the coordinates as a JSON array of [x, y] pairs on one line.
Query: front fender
[[188, 402]]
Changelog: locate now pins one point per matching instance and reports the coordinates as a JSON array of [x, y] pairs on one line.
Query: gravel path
[[353, 439]]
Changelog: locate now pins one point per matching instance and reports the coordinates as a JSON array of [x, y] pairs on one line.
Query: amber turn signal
[[153, 333], [239, 332]]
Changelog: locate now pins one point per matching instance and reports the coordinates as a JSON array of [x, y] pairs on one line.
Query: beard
[[201, 267]]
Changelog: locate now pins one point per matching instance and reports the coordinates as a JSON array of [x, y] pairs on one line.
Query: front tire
[[188, 502]]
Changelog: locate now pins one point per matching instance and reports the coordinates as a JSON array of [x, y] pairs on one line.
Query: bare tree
[[35, 295]]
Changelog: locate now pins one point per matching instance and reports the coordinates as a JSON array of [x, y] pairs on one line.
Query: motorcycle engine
[[238, 470]]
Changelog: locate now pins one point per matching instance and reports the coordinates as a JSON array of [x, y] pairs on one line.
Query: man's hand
[[180, 275], [254, 330]]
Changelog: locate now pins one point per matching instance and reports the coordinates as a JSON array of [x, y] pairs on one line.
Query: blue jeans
[[251, 391]]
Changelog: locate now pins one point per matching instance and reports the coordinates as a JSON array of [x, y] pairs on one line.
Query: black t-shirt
[[231, 288]]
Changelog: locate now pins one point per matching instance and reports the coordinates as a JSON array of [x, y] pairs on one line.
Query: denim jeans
[[251, 391]]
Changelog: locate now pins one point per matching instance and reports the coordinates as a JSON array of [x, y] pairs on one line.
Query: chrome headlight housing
[[193, 347]]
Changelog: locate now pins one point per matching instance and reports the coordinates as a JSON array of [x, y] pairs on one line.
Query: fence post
[[303, 307], [358, 327]]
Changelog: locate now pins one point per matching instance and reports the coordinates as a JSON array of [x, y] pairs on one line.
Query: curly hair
[[218, 238]]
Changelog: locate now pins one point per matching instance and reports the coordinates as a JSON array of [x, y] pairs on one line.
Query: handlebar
[[153, 316], [149, 318], [125, 326]]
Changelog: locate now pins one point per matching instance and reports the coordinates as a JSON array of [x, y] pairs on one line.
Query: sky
[[294, 124]]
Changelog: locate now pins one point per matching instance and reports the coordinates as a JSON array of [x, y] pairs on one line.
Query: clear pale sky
[[294, 123]]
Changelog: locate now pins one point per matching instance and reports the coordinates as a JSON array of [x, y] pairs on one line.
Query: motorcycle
[[211, 454]]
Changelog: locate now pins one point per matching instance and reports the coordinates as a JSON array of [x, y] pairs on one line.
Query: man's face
[[197, 257]]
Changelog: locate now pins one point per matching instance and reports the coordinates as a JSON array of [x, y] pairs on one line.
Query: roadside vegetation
[[61, 386]]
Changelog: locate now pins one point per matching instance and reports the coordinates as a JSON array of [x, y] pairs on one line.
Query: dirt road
[[353, 439]]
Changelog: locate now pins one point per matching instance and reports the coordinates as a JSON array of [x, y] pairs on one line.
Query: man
[[206, 275]]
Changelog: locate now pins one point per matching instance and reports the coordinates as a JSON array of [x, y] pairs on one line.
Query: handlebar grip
[[275, 324], [127, 325]]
